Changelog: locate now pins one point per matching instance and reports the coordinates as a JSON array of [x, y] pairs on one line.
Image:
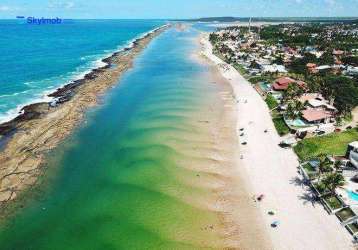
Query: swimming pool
[[266, 87], [352, 195], [296, 123]]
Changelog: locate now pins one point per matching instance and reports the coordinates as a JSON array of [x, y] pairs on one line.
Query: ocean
[[137, 174], [37, 59]]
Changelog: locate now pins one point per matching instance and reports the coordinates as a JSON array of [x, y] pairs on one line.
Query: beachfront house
[[282, 83], [318, 110], [352, 153], [274, 68], [317, 116]]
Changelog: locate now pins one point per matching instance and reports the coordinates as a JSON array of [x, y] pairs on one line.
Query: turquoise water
[[123, 180], [352, 195], [36, 59], [296, 123], [265, 86]]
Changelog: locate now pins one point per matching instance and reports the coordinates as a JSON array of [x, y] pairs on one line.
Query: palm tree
[[324, 165], [332, 181], [292, 92], [294, 109]]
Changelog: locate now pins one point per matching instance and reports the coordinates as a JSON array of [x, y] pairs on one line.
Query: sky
[[118, 9]]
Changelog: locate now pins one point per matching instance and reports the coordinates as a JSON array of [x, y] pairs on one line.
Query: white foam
[[78, 74]]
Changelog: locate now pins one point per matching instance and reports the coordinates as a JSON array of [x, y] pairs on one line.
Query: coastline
[[42, 126], [238, 214], [182, 152], [272, 171]]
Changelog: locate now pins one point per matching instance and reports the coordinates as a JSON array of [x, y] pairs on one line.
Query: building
[[274, 68], [318, 110], [352, 153], [317, 116], [283, 83]]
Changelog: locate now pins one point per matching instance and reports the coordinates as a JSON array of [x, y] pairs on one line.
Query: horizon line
[[193, 18]]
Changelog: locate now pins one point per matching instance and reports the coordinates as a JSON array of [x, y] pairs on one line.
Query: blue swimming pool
[[266, 87], [296, 123], [352, 195]]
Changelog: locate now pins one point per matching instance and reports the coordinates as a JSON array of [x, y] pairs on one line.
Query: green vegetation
[[332, 144], [333, 202], [280, 125], [353, 227], [263, 78], [324, 167], [352, 60], [333, 180], [214, 38], [345, 214], [294, 109], [271, 102], [301, 35], [240, 68], [292, 92], [310, 171], [343, 90], [257, 79], [308, 167], [320, 187]]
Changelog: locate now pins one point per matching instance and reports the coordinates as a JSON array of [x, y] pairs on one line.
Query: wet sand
[[219, 165], [42, 127]]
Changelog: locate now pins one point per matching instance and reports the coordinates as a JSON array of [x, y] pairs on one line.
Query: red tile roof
[[312, 115], [283, 83]]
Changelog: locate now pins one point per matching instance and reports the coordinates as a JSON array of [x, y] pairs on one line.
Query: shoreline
[[63, 93], [238, 213], [42, 126], [272, 171]]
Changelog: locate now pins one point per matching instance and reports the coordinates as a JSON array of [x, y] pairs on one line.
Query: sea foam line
[[97, 63]]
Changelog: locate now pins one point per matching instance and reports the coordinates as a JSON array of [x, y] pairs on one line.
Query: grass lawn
[[280, 125], [345, 214], [271, 101], [320, 187], [353, 227], [256, 79], [263, 78], [333, 202], [311, 172], [241, 69], [332, 144]]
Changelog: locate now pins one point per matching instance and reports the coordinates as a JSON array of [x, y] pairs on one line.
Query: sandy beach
[[272, 171], [42, 127]]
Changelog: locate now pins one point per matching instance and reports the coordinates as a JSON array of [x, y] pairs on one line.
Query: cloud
[[330, 2], [60, 5], [4, 8], [70, 5]]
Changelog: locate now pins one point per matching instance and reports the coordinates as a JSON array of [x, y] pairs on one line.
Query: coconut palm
[[332, 181], [292, 92], [324, 165], [294, 109]]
